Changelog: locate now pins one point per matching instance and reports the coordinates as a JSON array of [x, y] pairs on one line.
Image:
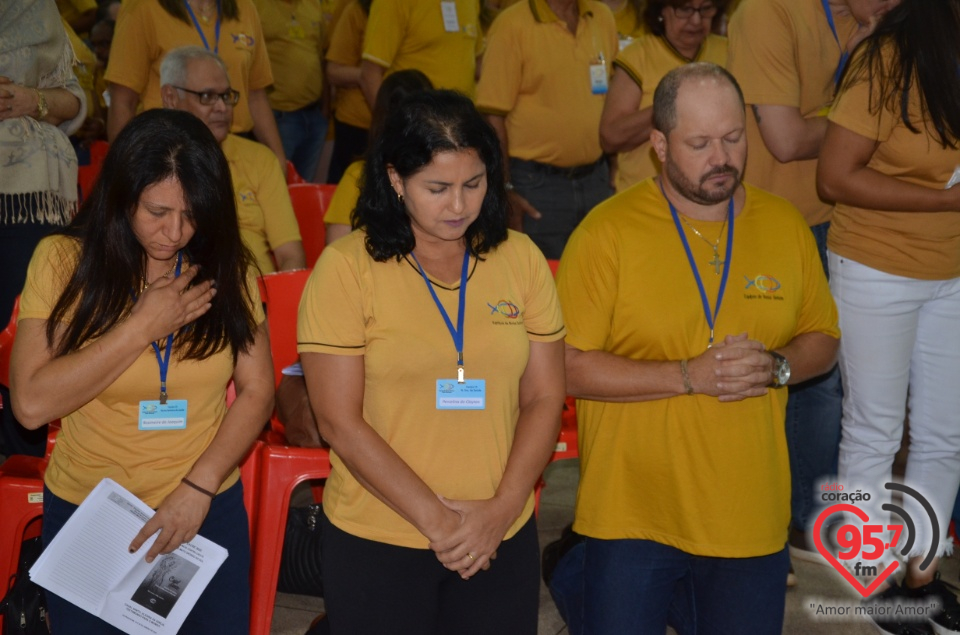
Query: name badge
[[598, 79], [168, 416], [450, 22], [470, 395]]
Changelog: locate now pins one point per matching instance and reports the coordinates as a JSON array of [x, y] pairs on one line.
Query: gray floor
[[817, 584]]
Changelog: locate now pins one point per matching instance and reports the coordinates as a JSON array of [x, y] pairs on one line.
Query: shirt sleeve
[[135, 36], [542, 316], [345, 197], [502, 69], [818, 312], [587, 283], [386, 28], [48, 273], [335, 282], [762, 55], [856, 109]]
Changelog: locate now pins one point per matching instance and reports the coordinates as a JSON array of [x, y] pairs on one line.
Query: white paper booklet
[[89, 565]]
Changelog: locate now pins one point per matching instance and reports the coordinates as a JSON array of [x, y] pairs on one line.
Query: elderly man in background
[[195, 80]]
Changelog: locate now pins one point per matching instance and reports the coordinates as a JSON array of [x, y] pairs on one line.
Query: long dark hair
[[422, 125], [154, 146], [916, 45], [176, 8]]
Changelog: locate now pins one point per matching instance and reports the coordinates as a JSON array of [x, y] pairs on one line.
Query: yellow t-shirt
[[404, 34], [923, 245], [709, 478], [145, 32], [783, 53], [85, 68], [102, 438], [264, 209], [345, 197], [292, 30], [385, 313], [70, 10], [346, 47], [646, 61], [536, 74]]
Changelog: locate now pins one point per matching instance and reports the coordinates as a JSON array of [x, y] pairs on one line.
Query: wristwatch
[[42, 108], [781, 370]]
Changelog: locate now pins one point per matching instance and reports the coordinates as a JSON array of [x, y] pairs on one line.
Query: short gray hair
[[665, 96], [173, 69]]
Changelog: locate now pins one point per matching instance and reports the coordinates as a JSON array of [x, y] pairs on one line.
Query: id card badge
[[450, 22], [598, 78], [157, 416], [470, 395]]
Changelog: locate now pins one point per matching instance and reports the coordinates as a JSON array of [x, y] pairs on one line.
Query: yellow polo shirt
[[646, 61], [345, 197], [404, 34], [145, 32], [536, 74], [263, 201], [922, 245], [102, 438], [346, 47], [384, 312], [630, 24], [705, 477], [294, 37], [783, 53]]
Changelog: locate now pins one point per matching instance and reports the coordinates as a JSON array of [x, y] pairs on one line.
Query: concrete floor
[[817, 584]]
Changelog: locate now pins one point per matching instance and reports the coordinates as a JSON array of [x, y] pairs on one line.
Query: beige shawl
[[36, 159]]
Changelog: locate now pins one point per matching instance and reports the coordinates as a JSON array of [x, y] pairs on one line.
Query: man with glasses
[[788, 56], [195, 80]]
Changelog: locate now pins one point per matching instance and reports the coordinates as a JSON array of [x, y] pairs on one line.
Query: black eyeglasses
[[686, 12], [230, 98]]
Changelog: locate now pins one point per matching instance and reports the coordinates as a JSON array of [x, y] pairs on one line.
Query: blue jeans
[[563, 201], [303, 133], [814, 410], [224, 606], [639, 587]]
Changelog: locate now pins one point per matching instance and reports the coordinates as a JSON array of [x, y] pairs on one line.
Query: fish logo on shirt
[[505, 308], [243, 39], [764, 284], [247, 196]]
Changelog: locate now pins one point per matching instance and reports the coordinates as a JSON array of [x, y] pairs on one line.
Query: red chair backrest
[[281, 293], [87, 174], [292, 175], [554, 264], [310, 203], [6, 344]]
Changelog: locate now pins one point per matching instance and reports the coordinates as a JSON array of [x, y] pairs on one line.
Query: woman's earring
[[659, 18], [400, 197]]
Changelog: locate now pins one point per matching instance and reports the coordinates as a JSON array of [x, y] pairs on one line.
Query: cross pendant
[[716, 262]]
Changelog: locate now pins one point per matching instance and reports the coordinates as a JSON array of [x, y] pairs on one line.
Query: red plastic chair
[[6, 344], [87, 174], [282, 466], [292, 175], [281, 293], [310, 203]]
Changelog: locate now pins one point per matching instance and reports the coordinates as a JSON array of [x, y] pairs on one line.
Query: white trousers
[[899, 333]]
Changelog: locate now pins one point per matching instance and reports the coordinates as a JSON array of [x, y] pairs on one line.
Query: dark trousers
[[373, 588], [349, 145]]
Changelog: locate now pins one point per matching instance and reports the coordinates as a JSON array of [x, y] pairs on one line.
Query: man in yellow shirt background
[[195, 80]]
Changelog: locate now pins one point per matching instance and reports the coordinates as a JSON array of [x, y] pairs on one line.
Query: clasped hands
[[735, 369], [472, 531]]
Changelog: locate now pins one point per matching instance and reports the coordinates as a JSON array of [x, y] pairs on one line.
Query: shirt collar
[[543, 13]]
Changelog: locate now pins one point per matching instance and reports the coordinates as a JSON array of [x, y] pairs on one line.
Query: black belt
[[572, 173]]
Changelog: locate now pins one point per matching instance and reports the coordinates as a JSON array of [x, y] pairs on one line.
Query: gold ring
[[470, 555]]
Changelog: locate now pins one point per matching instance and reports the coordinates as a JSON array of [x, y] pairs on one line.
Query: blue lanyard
[[164, 361], [711, 317], [216, 28], [456, 333], [844, 55]]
